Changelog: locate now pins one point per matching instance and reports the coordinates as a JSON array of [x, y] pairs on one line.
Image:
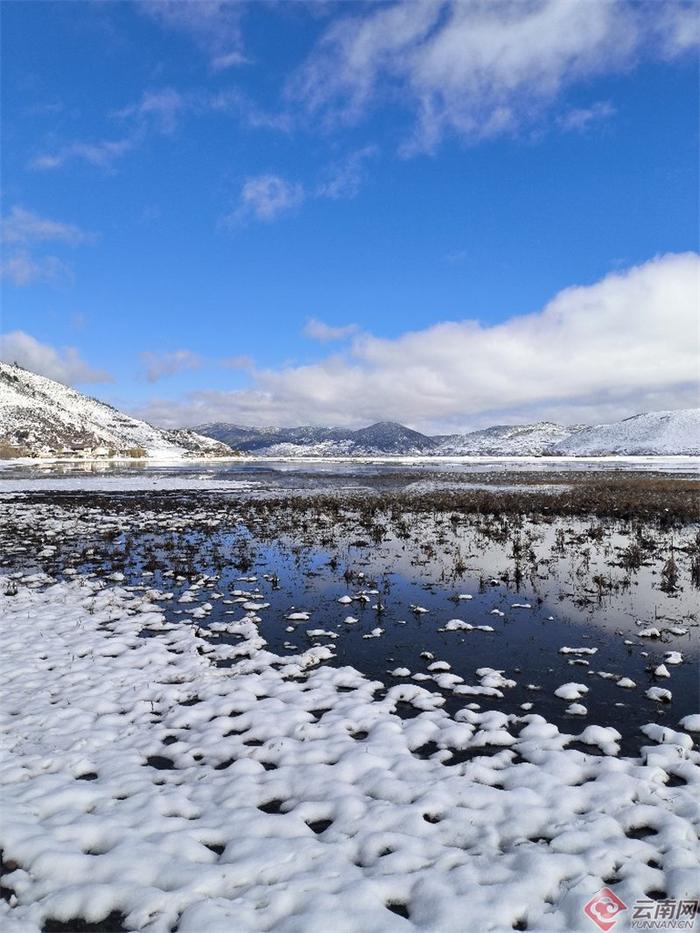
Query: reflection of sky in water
[[525, 642]]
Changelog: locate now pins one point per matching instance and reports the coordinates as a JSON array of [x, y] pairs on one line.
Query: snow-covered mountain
[[508, 440], [388, 438], [656, 432], [41, 417], [380, 439], [393, 438], [255, 439]]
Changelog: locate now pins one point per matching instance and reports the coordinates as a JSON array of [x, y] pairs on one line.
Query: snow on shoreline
[[152, 462], [279, 793], [658, 460], [148, 482]]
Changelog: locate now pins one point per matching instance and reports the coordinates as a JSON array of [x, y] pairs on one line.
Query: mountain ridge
[[666, 433]]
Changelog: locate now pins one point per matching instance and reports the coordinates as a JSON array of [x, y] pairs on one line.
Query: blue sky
[[334, 213]]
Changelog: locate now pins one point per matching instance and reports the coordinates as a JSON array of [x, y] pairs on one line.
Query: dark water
[[569, 571], [566, 610]]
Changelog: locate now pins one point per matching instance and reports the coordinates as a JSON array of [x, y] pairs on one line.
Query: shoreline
[[384, 459], [661, 496]]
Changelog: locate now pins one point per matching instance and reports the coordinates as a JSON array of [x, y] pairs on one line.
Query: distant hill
[[657, 433], [508, 440], [249, 439], [653, 433], [380, 439], [41, 417], [392, 438]]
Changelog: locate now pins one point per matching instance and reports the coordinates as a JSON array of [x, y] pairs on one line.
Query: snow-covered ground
[[280, 793]]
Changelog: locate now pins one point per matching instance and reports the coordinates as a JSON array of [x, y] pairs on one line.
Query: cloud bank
[[624, 344]]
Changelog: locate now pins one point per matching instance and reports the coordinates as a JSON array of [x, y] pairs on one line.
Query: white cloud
[[21, 268], [102, 154], [236, 102], [164, 107], [22, 230], [239, 361], [580, 119], [675, 26], [64, 364], [158, 365], [324, 333], [160, 110], [624, 344], [345, 178], [478, 69], [213, 25], [265, 197], [455, 257], [21, 226]]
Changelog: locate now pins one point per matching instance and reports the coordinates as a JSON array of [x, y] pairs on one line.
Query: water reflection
[[318, 474]]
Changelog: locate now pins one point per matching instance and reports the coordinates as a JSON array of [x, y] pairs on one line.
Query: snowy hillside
[[41, 417], [657, 432], [256, 439], [528, 440]]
